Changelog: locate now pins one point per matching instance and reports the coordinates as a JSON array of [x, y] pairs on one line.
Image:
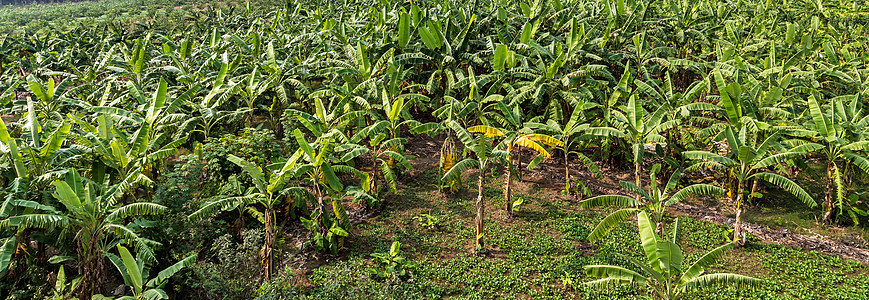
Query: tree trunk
[[320, 206], [508, 191], [519, 163], [266, 253], [374, 189], [738, 236], [566, 174], [828, 198], [480, 207], [508, 195], [731, 189], [753, 189], [638, 169], [91, 269]]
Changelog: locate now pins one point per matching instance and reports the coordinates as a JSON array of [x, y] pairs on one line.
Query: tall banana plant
[[829, 134], [210, 112], [135, 271], [268, 187], [514, 135], [678, 107], [49, 95], [570, 135], [637, 128], [486, 154], [386, 143], [547, 84], [129, 158], [453, 110], [42, 142], [746, 161], [255, 86], [32, 153], [92, 219], [315, 165]]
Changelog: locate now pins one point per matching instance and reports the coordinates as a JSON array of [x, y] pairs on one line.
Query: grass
[[540, 254], [778, 209]]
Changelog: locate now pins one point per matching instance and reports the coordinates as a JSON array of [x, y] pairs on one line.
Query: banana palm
[[514, 135], [135, 272], [657, 199], [637, 128], [453, 110], [663, 272], [485, 154], [570, 135], [746, 161], [92, 218], [678, 107], [829, 134], [129, 158], [314, 163], [266, 194], [37, 156], [386, 143]]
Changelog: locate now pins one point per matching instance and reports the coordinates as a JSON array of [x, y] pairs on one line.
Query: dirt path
[[785, 237]]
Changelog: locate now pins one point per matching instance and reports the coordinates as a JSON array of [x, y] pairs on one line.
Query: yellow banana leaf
[[528, 143], [489, 131]]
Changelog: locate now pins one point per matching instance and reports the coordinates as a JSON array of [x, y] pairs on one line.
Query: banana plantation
[[482, 149]]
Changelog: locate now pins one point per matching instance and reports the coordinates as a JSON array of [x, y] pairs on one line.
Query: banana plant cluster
[[746, 90]]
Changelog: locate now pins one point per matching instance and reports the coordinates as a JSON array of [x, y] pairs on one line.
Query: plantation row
[[283, 116]]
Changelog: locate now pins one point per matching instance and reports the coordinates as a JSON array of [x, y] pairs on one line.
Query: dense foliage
[[223, 143]]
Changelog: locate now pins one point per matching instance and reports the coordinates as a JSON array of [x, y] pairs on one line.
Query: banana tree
[[268, 187], [677, 106], [515, 136], [131, 158], [570, 135], [41, 146], [663, 272], [453, 110], [746, 161], [485, 154], [657, 199], [829, 134], [92, 219], [444, 44], [637, 128], [134, 64], [208, 113], [744, 107], [386, 143], [49, 95], [254, 87], [314, 164], [545, 82], [33, 153]]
